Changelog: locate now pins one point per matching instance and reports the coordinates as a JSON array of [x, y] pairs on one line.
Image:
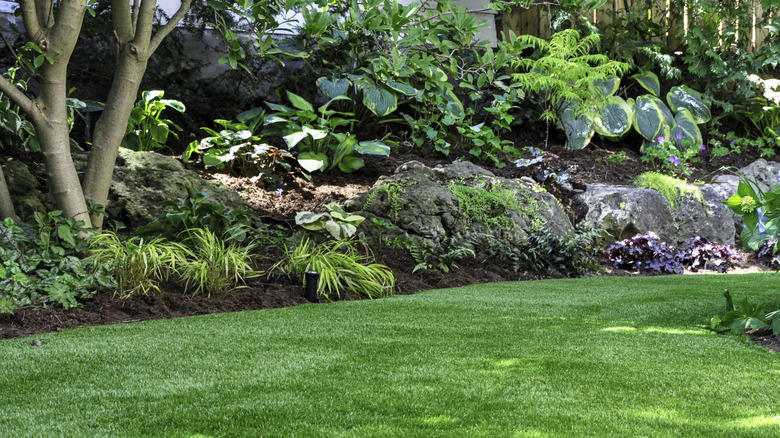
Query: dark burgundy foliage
[[701, 253], [766, 253], [645, 252]]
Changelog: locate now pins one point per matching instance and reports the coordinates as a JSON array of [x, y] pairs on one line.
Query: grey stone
[[417, 200], [143, 179], [24, 189]]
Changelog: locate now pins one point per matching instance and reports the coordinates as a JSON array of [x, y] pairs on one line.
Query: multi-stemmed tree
[[54, 26]]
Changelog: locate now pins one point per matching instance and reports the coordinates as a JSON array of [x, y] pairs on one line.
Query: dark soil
[[586, 166]]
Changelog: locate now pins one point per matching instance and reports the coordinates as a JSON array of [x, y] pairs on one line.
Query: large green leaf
[[351, 163], [299, 102], [652, 118], [454, 106], [649, 81], [402, 88], [578, 128], [379, 100], [332, 89], [606, 87], [616, 118], [683, 97], [345, 148], [294, 138], [372, 148], [311, 161], [175, 104], [686, 133]]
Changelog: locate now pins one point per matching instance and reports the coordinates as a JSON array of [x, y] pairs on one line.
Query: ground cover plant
[[581, 357]]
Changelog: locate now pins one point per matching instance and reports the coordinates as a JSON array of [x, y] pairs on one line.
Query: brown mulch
[[585, 166]]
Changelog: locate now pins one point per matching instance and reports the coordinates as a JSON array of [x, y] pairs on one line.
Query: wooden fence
[[536, 20]]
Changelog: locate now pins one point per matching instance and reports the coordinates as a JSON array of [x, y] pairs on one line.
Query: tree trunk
[[6, 206], [133, 33]]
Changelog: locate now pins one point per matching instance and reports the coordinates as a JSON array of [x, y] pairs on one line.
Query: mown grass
[[600, 357]]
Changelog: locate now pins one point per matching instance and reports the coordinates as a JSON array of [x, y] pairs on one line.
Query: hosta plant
[[336, 222]]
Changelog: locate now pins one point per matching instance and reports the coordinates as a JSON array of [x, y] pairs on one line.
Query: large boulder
[[143, 179], [24, 189], [624, 211], [460, 197]]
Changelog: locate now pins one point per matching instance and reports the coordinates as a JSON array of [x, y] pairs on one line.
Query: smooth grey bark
[[56, 35], [135, 44], [6, 206]]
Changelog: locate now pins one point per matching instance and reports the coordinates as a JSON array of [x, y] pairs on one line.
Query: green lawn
[[619, 357]]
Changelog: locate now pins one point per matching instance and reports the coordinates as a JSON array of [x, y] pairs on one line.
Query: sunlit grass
[[585, 357]]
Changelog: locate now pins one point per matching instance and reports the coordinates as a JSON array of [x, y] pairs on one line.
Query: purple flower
[[761, 219], [679, 136], [660, 139], [732, 143], [703, 147], [674, 160]]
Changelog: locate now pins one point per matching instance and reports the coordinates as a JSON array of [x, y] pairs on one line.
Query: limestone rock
[[24, 189], [143, 179], [624, 211], [419, 200]]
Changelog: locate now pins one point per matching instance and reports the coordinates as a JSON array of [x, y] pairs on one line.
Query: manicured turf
[[621, 357]]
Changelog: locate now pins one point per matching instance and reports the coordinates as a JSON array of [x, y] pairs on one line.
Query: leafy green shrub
[[194, 211], [138, 265], [40, 264], [146, 129], [441, 253], [747, 316], [563, 75], [341, 267], [213, 265], [544, 252]]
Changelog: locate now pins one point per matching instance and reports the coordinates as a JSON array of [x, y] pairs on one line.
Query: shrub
[[701, 253], [40, 264], [645, 252], [441, 252], [341, 267]]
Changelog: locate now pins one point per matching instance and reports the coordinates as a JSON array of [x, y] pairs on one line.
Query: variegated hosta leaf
[[652, 118], [687, 129], [683, 97], [379, 100], [649, 81], [606, 87], [332, 89], [308, 218], [578, 128], [311, 161], [616, 118], [340, 230]]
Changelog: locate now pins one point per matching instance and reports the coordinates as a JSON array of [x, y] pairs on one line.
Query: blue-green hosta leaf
[[652, 118], [683, 97], [606, 87], [687, 129], [616, 118], [649, 81], [379, 100], [337, 212], [331, 89], [299, 102], [351, 163], [578, 128], [402, 88], [311, 161], [372, 148]]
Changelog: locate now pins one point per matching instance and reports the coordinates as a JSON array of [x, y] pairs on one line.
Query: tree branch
[[145, 23], [122, 21], [169, 26], [18, 97], [30, 18]]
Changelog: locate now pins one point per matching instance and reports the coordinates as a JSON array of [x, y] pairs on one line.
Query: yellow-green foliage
[[671, 188], [490, 205]]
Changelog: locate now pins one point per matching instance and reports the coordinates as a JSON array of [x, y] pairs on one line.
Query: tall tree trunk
[[135, 43], [6, 206]]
